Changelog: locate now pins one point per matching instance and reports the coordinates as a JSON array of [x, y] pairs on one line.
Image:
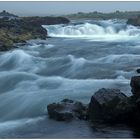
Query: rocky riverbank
[[109, 106], [20, 29]]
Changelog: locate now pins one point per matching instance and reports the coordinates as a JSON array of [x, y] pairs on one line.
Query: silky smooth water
[[79, 59]]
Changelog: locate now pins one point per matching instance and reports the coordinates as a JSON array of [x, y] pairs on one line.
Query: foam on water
[[17, 56], [119, 58], [29, 91], [20, 60], [107, 30], [20, 102], [13, 124], [46, 71], [76, 62]]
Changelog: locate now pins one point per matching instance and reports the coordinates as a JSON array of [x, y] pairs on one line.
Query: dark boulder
[[66, 110], [102, 106], [135, 85], [128, 111], [106, 106], [138, 70]]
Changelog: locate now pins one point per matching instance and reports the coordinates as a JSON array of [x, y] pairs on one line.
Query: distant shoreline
[[100, 15]]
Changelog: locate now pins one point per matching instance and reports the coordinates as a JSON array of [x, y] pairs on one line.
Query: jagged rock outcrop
[[22, 29]]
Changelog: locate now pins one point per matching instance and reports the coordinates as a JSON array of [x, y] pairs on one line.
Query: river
[[76, 61]]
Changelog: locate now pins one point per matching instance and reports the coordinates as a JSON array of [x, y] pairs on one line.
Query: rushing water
[[79, 59]]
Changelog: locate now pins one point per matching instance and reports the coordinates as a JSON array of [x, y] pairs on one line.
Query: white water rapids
[[105, 30], [79, 59]]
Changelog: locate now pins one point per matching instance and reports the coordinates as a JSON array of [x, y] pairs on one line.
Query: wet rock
[[138, 70], [57, 112], [134, 101], [135, 85], [66, 110], [106, 106], [103, 104]]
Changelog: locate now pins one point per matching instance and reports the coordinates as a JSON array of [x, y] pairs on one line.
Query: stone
[[138, 70], [57, 112], [135, 85], [66, 110], [103, 104]]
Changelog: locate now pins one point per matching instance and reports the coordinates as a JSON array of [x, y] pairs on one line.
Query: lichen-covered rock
[[66, 110], [25, 28], [102, 106]]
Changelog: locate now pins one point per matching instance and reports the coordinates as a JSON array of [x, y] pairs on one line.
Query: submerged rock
[[66, 110], [102, 106]]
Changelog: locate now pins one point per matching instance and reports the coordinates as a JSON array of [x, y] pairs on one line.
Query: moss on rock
[[22, 29]]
